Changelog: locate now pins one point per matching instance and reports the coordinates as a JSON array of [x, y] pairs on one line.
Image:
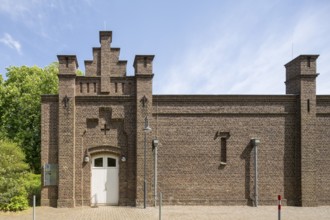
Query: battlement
[[303, 66], [68, 64], [105, 37], [106, 59], [143, 64]]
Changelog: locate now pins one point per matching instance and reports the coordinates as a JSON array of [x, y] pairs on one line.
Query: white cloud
[[16, 9], [9, 41], [235, 60]]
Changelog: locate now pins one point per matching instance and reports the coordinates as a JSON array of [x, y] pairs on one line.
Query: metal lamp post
[[146, 130], [155, 144]]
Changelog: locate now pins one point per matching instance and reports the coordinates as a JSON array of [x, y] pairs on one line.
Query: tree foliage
[[13, 196], [17, 185], [20, 107]]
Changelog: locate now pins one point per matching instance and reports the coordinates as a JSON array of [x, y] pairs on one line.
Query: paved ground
[[173, 212]]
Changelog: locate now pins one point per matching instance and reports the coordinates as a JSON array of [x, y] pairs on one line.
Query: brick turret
[[143, 74], [301, 80], [66, 132]]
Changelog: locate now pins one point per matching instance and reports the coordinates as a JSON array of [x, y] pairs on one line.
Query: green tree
[[17, 185], [13, 195], [20, 107]]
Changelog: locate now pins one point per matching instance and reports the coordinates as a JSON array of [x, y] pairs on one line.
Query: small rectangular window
[[123, 88], [95, 87], [81, 88], [87, 87], [111, 162], [98, 162], [116, 87]]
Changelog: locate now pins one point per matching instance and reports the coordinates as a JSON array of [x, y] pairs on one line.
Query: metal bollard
[[279, 207], [160, 205], [34, 207]]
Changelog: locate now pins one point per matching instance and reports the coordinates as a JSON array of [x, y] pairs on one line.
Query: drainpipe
[[255, 143]]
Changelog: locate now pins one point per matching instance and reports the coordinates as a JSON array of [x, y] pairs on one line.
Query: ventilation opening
[[308, 62], [308, 105], [145, 62], [223, 157], [66, 62]]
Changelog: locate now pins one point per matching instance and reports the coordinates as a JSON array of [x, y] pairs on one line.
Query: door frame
[[104, 156]]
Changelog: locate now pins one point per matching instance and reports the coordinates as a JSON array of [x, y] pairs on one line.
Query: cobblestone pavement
[[172, 212]]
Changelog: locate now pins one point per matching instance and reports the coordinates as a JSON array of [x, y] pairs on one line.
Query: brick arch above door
[[104, 149]]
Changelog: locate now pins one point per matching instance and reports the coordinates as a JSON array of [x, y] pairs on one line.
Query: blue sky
[[200, 47]]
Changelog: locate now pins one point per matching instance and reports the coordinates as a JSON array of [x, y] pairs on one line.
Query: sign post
[[279, 207]]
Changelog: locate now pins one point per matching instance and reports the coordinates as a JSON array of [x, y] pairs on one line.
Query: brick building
[[93, 139]]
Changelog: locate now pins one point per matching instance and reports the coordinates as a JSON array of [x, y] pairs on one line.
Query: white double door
[[105, 180]]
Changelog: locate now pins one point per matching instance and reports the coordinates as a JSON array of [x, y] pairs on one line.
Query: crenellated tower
[[301, 80], [66, 123]]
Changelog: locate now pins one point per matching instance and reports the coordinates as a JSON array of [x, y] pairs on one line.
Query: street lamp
[[154, 145], [146, 130]]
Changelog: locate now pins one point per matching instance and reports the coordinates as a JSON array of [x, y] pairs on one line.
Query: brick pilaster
[[144, 75], [301, 80], [66, 132]]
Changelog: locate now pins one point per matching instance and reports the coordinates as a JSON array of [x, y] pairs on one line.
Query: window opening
[[80, 87], [111, 162], [95, 87], [116, 87], [308, 61], [98, 162], [223, 159], [87, 87], [308, 105], [67, 62], [145, 62]]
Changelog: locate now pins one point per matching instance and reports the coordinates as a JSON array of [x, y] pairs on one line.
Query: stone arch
[[108, 149]]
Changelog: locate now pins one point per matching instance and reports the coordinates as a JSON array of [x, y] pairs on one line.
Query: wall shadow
[[291, 172], [246, 155]]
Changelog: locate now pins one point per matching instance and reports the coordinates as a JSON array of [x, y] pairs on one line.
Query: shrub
[[32, 183], [15, 181]]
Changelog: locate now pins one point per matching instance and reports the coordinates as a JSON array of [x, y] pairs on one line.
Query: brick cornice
[[49, 98], [323, 99], [211, 114], [223, 98], [147, 76], [105, 98], [99, 77], [60, 75], [302, 76]]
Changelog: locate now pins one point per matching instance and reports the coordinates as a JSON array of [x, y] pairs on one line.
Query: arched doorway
[[105, 179]]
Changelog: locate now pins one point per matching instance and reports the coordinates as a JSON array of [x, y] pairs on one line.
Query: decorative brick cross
[[144, 100], [105, 129], [65, 101]]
